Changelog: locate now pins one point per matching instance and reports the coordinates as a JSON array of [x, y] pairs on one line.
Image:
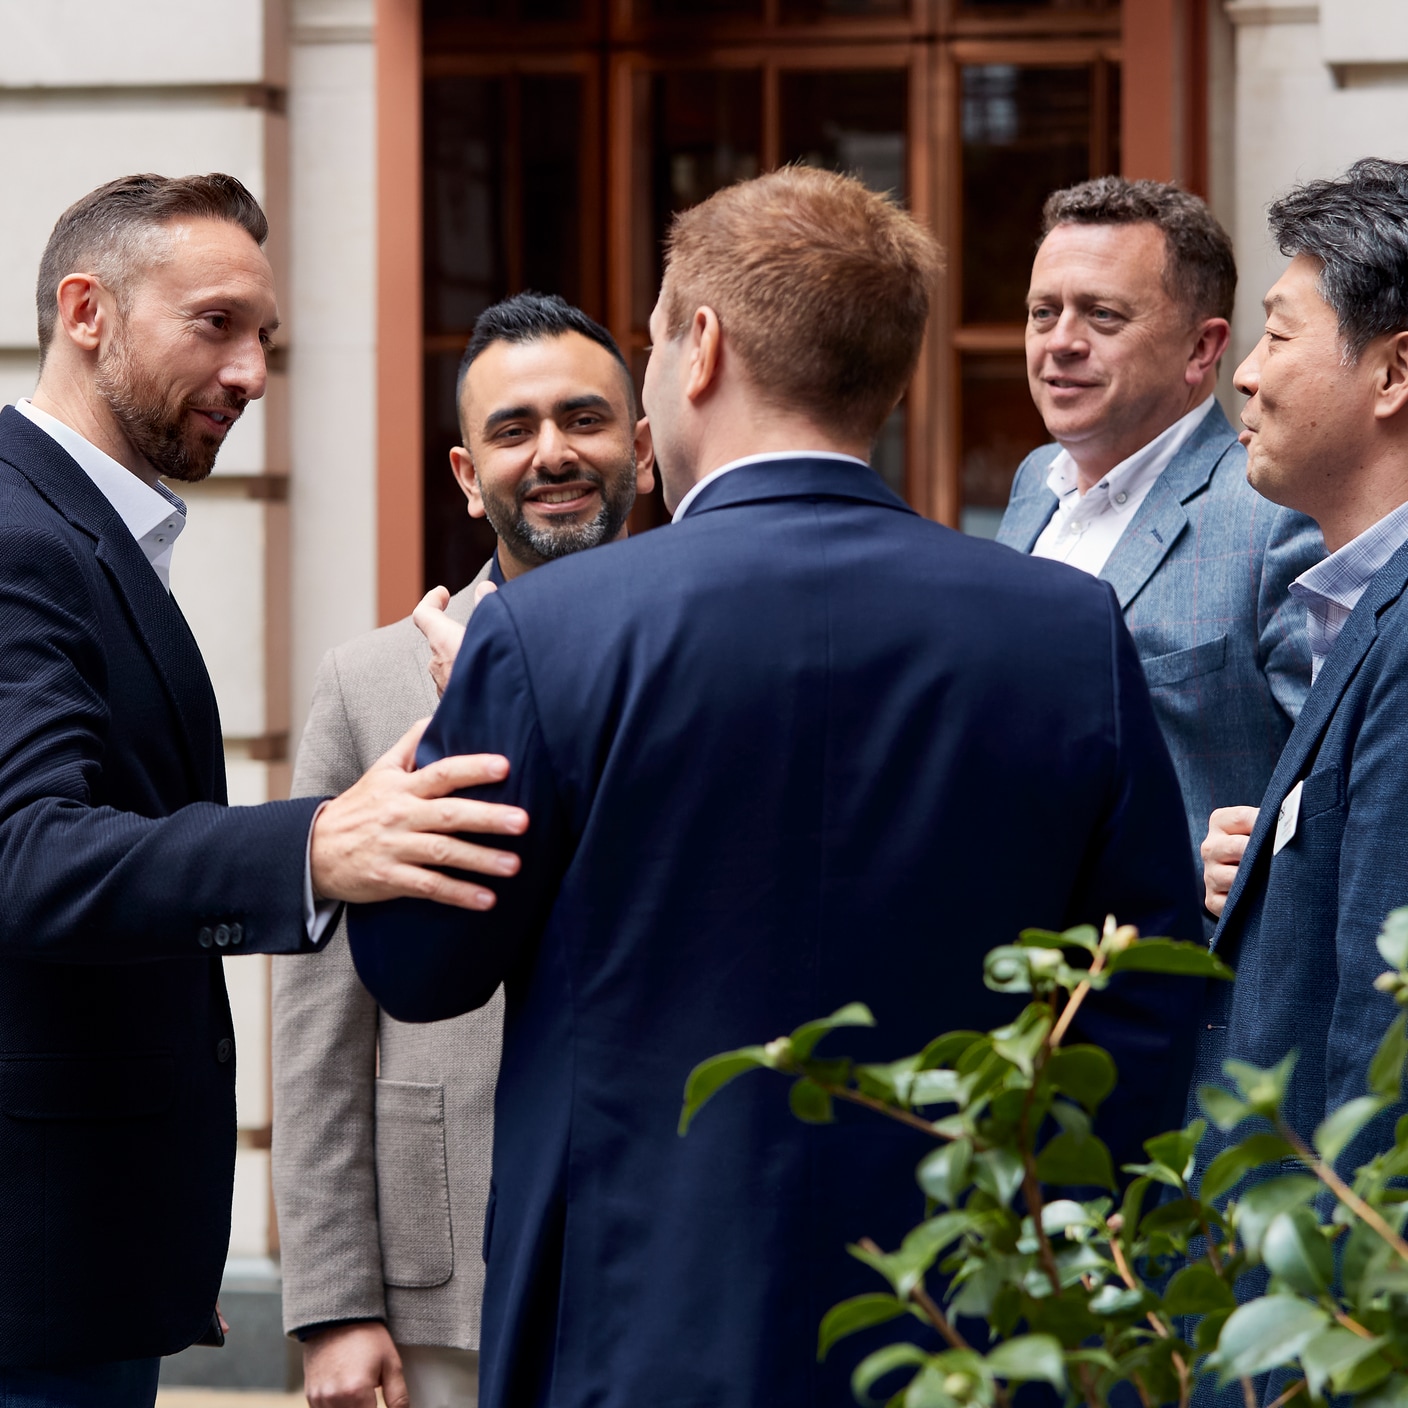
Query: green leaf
[[1393, 939], [1263, 1090], [1296, 1252], [1332, 1355], [935, 1088], [1071, 1118], [1066, 1159], [946, 1049], [1009, 969], [1209, 1328], [1020, 1042], [1173, 956], [810, 1103], [1196, 1290], [1028, 1358], [998, 1172], [1264, 1201], [944, 1174], [709, 1077], [1264, 1334], [1222, 1107], [1232, 1165], [1177, 1148], [1115, 1300], [1338, 1129], [1084, 936], [1085, 1073], [884, 1361], [1386, 1069], [858, 1313], [805, 1038]]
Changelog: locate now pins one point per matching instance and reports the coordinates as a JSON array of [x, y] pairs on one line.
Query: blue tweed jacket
[[1201, 574]]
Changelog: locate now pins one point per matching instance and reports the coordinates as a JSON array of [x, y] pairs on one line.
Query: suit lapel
[[1031, 508], [155, 616], [1338, 671], [1162, 518]]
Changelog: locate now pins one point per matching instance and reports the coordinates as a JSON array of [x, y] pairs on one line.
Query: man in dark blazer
[[1146, 485], [124, 879], [1327, 433], [802, 747]]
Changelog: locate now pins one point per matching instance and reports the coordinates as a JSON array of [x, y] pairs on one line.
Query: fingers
[[411, 882], [1232, 821], [454, 774], [483, 590], [433, 602], [394, 1392], [402, 754]]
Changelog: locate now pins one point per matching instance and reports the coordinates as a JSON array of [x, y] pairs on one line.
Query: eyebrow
[[1272, 302], [588, 401]]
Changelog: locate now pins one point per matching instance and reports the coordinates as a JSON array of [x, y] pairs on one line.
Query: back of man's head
[[821, 287], [531, 317], [1200, 270], [1357, 227], [118, 231]]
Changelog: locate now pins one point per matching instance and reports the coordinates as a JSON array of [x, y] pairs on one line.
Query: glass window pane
[[848, 121], [456, 546], [521, 12], [702, 131], [1025, 133], [803, 11], [1000, 428], [1020, 7], [703, 9]]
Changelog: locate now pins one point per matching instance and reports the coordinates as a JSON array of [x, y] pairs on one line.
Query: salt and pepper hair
[[120, 230], [1200, 270], [1357, 227], [531, 317]]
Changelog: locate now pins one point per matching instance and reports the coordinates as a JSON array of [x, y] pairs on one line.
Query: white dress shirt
[[1085, 527], [1332, 588], [723, 469], [155, 517]]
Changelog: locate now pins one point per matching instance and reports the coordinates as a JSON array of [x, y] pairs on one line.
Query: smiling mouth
[[561, 497], [1065, 383], [222, 420]]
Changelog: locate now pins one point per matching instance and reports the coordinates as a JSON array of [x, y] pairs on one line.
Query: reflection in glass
[[1000, 428], [1026, 132], [705, 132], [803, 11], [703, 9]]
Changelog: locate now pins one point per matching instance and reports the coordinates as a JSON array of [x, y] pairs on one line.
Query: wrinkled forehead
[[204, 261]]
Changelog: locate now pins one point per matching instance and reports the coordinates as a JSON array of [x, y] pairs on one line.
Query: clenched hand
[[1229, 829]]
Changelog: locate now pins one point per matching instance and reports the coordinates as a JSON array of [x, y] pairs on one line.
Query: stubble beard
[[154, 425], [537, 545]]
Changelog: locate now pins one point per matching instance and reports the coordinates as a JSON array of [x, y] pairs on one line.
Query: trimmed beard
[[535, 545], [155, 427]]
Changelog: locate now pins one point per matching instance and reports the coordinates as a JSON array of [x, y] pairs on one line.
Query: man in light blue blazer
[[1127, 320]]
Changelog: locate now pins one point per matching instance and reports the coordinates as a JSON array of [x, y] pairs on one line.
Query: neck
[[762, 430], [1095, 460], [1363, 503], [70, 397]]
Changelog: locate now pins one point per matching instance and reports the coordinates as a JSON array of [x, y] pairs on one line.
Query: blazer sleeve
[[1294, 545], [1140, 870], [325, 1064], [424, 961], [81, 881]]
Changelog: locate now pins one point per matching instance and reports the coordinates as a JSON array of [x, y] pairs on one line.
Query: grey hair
[[1357, 227], [119, 230]]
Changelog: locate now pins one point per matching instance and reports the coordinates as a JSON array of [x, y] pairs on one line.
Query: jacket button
[[224, 1049], [222, 936], [205, 938], [236, 935]]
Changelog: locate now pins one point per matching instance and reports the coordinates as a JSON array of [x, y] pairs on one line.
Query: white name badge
[[1287, 818]]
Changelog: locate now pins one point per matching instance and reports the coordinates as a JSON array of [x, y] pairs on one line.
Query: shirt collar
[[152, 513], [1132, 477], [723, 469]]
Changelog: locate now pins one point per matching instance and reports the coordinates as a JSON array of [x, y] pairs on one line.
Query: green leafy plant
[[1088, 1294]]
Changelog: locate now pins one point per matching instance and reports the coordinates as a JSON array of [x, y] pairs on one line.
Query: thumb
[[394, 1392], [402, 754], [483, 590]]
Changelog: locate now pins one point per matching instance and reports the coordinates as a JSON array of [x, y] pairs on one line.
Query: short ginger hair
[[821, 286]]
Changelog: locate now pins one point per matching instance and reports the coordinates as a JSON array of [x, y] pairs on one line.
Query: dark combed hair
[[530, 317], [1357, 227], [1200, 272], [109, 232]]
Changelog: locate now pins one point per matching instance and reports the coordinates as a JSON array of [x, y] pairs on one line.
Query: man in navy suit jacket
[[802, 747], [124, 879], [1327, 433]]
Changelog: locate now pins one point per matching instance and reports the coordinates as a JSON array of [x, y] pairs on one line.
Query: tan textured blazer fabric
[[383, 1131]]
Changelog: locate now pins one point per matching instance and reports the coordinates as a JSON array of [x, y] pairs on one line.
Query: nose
[[1066, 337], [247, 371], [553, 449], [1247, 378]]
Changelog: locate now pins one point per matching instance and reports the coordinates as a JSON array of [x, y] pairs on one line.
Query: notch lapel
[[1032, 503], [1338, 671], [1162, 519]]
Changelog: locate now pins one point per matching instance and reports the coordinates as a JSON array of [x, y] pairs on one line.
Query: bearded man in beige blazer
[[383, 1131]]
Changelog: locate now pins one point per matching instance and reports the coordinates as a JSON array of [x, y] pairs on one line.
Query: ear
[[1391, 377], [462, 463], [703, 354], [645, 458], [1213, 335], [84, 310]]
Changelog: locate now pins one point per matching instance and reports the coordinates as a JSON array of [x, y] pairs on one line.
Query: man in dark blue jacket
[[802, 747], [124, 879], [1327, 434]]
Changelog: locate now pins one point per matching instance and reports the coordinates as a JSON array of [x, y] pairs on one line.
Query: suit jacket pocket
[[412, 1184], [1180, 665], [59, 1087], [1322, 791]]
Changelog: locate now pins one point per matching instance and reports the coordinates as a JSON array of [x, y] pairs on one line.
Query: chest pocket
[[1180, 665]]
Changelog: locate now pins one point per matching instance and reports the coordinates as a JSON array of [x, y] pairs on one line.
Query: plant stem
[[1342, 1190], [1069, 1011], [1031, 1191], [1289, 1394], [1350, 1323], [841, 1092], [1248, 1393]]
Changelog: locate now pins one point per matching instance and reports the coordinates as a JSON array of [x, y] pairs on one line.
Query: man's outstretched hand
[[380, 839], [443, 635]]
